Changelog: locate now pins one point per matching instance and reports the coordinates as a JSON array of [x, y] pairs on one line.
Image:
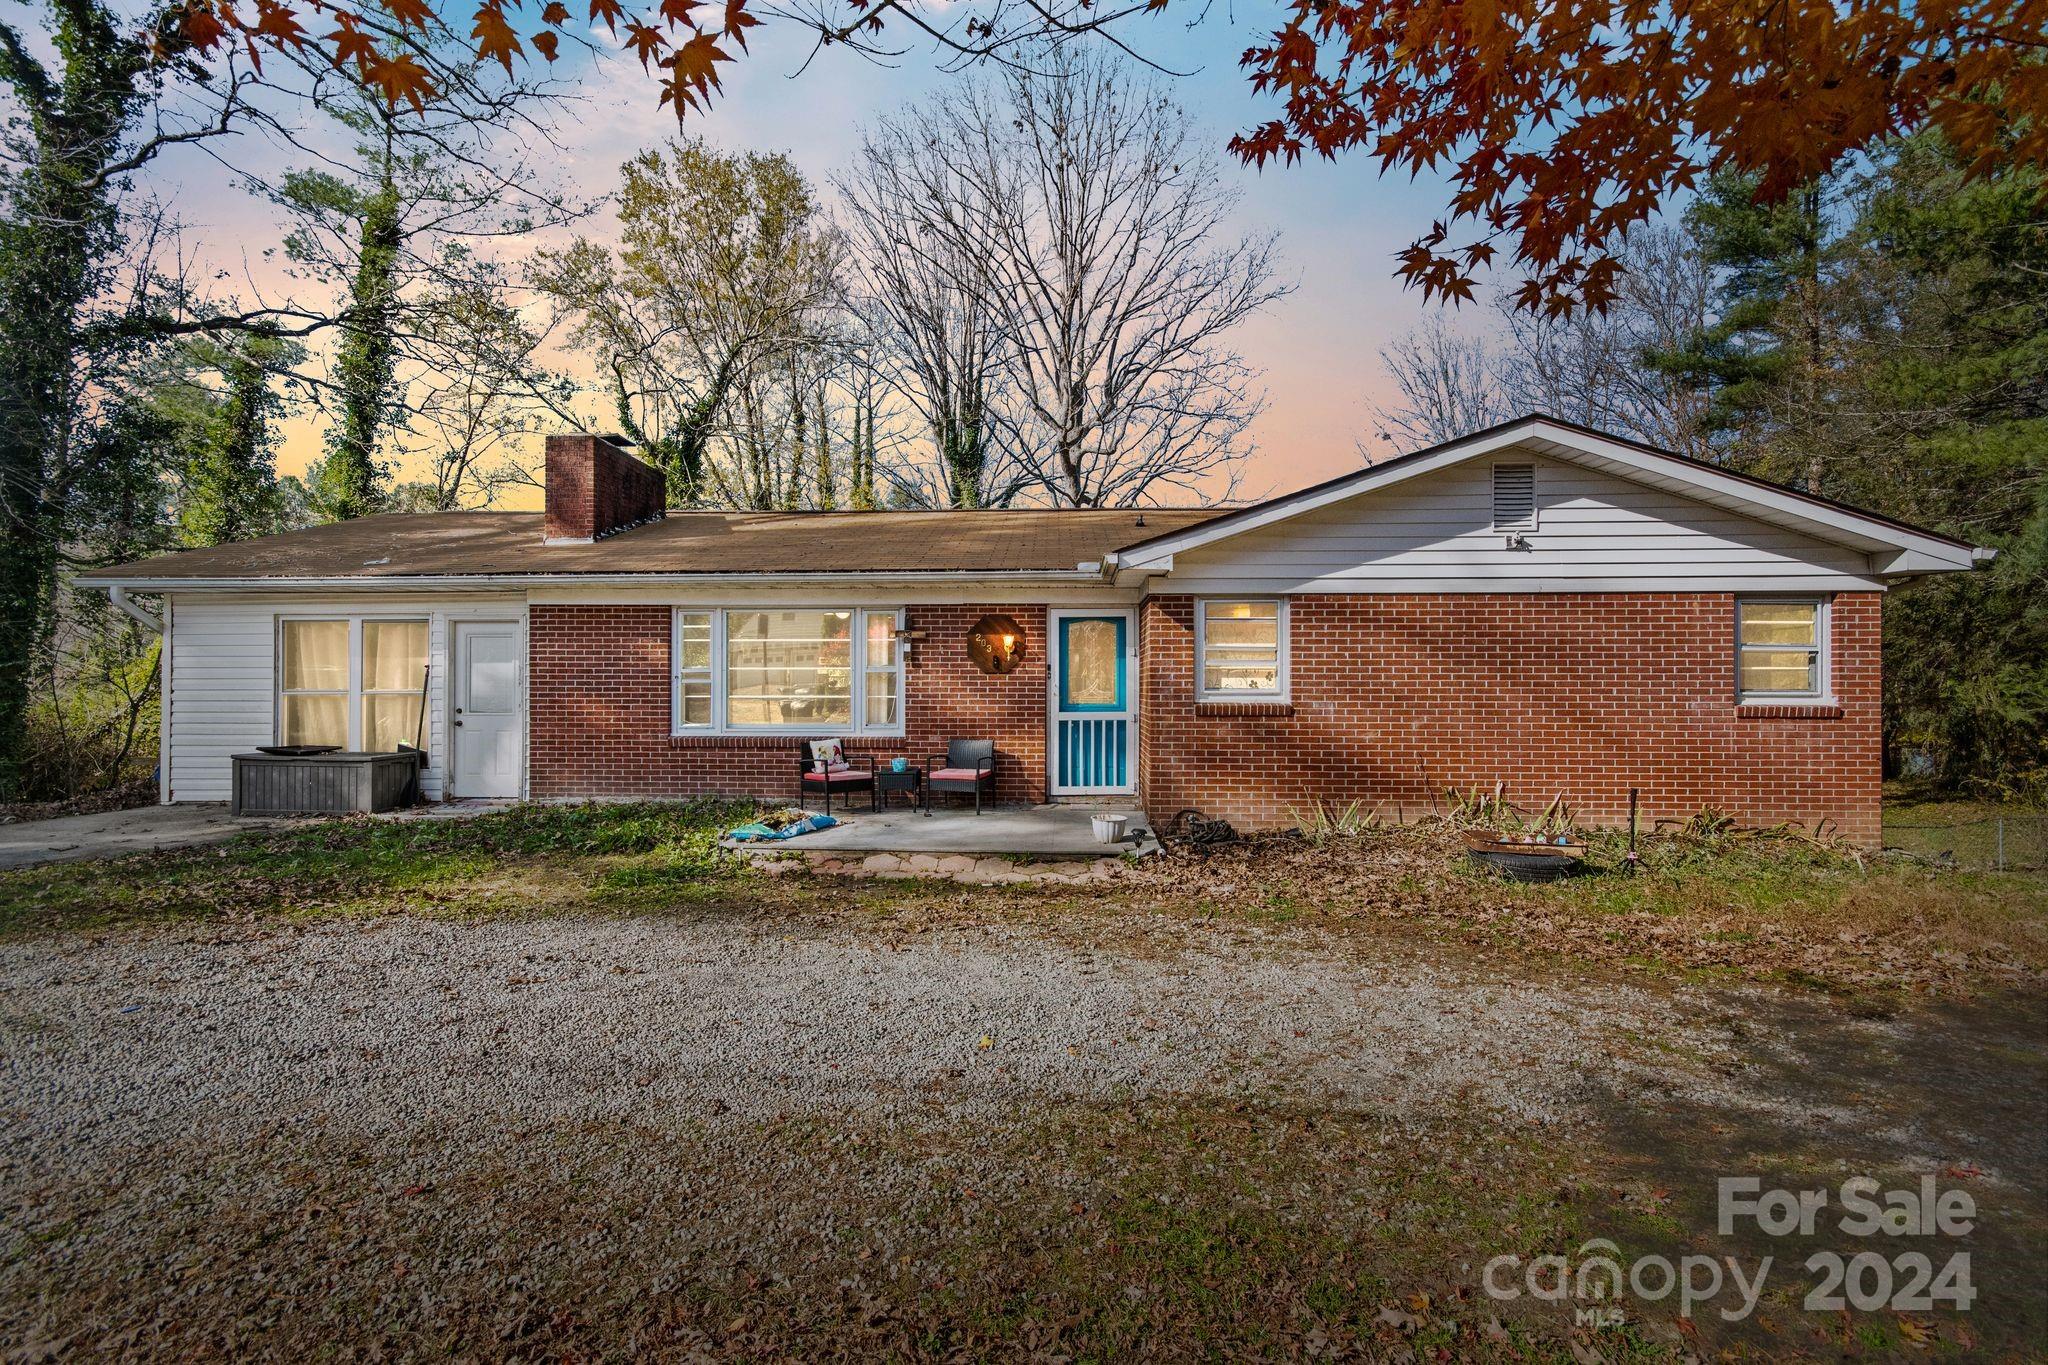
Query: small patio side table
[[911, 780]]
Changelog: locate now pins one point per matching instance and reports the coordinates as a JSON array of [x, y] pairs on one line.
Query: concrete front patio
[[1037, 832]]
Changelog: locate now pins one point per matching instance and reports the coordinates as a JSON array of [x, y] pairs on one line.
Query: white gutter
[[118, 595]]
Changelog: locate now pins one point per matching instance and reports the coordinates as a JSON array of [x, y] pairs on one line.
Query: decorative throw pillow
[[828, 754]]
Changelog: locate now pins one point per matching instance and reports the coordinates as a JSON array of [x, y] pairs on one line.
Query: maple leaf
[[1633, 106], [203, 28], [279, 25], [545, 44], [555, 15], [608, 10], [400, 78], [696, 63], [495, 40], [410, 13], [352, 46], [738, 21], [646, 41]]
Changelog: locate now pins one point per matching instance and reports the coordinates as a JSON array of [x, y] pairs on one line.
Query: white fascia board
[[1555, 442]]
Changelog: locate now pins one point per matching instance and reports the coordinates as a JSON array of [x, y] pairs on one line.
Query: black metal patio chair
[[967, 768], [854, 772]]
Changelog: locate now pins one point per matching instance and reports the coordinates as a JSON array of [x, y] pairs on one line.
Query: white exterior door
[[490, 713], [1093, 706]]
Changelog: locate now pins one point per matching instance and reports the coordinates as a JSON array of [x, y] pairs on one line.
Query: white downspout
[[118, 595]]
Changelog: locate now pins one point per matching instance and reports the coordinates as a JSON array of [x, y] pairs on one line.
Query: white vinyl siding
[[224, 675], [1597, 532]]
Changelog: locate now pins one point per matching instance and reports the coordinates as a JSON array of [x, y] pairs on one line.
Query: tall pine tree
[[1883, 339]]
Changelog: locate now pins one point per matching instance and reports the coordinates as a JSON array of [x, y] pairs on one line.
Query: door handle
[[458, 724]]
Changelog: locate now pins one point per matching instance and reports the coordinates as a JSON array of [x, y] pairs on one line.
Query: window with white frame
[[800, 669], [693, 670], [1780, 648], [351, 681], [882, 673], [1241, 649]]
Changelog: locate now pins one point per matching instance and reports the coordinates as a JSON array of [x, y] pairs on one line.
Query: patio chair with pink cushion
[[843, 774], [968, 767]]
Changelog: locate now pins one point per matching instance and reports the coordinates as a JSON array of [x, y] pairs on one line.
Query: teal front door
[[1093, 712]]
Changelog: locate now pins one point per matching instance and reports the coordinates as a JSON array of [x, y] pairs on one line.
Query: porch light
[[996, 645]]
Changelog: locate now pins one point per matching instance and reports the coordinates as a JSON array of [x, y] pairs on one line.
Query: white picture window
[[803, 670], [787, 669], [1241, 649], [394, 676], [1780, 648], [353, 682]]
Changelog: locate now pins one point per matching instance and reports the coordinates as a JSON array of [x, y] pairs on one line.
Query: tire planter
[[1523, 862]]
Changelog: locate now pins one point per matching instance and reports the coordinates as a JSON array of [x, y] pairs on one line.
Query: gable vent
[[1514, 497]]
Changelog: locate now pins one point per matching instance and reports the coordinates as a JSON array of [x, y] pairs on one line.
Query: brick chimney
[[595, 489]]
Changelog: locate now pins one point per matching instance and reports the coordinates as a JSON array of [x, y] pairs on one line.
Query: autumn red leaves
[[1559, 123], [686, 43], [1562, 123]]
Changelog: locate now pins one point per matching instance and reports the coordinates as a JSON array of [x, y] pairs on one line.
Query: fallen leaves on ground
[[1757, 909]]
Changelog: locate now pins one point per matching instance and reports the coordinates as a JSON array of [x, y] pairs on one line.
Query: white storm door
[[489, 731]]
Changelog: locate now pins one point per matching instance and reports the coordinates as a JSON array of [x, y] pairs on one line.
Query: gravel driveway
[[358, 1028], [226, 1142]]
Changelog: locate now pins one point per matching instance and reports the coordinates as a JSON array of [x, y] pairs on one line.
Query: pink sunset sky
[[1339, 223]]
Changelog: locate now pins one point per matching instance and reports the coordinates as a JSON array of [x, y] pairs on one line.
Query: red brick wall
[[594, 488], [1396, 697], [598, 679]]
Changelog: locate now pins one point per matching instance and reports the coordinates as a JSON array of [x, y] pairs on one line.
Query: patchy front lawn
[[1728, 905], [566, 1083]]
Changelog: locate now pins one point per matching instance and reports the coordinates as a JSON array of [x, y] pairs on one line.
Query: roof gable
[[1894, 547]]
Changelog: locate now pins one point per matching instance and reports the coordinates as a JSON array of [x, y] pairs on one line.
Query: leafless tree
[[1447, 385], [482, 394], [1594, 368], [1071, 202], [936, 333]]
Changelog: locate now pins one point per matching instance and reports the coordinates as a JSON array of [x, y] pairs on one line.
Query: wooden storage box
[[324, 784]]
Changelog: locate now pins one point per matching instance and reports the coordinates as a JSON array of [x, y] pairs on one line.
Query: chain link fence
[[1995, 843]]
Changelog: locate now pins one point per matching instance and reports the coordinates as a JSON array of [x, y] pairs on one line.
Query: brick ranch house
[[1536, 604]]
